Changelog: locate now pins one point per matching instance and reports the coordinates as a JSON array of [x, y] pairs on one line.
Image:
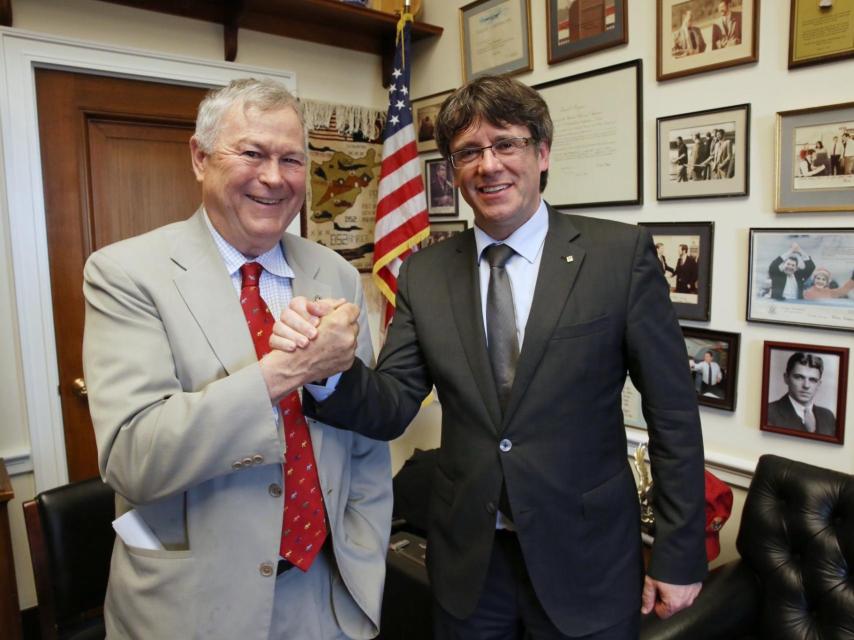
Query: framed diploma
[[595, 159], [584, 26], [820, 31], [496, 37]]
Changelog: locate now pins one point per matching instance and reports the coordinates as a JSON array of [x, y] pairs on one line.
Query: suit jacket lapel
[[206, 289], [464, 285], [559, 267]]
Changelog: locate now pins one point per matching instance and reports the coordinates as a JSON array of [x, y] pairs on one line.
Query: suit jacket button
[[490, 508], [266, 569], [257, 458], [247, 462], [237, 465], [505, 445], [274, 490]]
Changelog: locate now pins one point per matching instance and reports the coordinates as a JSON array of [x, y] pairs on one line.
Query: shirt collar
[[527, 240], [273, 260]]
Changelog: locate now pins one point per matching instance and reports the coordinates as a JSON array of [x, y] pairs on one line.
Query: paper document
[[131, 528]]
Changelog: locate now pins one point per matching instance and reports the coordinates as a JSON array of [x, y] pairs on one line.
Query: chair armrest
[[727, 607]]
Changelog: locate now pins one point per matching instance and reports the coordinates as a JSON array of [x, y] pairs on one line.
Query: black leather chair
[[793, 580], [71, 541]]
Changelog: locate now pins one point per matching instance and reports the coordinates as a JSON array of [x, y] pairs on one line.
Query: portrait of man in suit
[[726, 30], [686, 271], [788, 273], [266, 525], [526, 325], [797, 409]]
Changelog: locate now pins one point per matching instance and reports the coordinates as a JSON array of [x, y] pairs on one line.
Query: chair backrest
[[71, 541], [797, 533]]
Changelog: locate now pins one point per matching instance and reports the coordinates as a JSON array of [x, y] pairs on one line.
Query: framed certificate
[[584, 26], [496, 37], [820, 31]]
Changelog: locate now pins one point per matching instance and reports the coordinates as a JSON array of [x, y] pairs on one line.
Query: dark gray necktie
[[503, 345]]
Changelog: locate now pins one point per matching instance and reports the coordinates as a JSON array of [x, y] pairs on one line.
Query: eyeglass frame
[[528, 140]]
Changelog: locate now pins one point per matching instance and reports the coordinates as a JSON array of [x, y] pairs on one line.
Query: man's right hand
[[311, 341]]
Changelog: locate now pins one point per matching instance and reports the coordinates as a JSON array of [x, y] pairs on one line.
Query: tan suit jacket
[[187, 436]]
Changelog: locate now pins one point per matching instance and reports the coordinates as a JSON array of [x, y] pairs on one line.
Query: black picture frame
[[780, 414], [603, 107], [825, 303], [715, 379], [442, 195], [613, 30], [715, 157], [442, 230], [690, 280]]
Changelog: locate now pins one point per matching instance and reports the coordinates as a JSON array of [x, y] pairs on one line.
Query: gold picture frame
[[820, 32]]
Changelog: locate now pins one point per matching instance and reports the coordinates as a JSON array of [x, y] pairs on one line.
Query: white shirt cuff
[[321, 392]]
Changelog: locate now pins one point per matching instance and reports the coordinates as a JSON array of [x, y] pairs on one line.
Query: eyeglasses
[[504, 149]]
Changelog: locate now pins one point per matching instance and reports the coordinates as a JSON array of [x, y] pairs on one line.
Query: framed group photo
[[443, 230], [815, 159], [704, 154], [803, 390], [424, 112], [578, 28], [441, 193], [684, 252], [713, 360], [820, 31], [695, 36], [495, 38], [802, 277], [598, 140]]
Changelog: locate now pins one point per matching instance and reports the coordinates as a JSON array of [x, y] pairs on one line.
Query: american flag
[[402, 221]]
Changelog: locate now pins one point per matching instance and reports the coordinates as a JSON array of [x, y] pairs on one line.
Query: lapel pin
[[567, 258]]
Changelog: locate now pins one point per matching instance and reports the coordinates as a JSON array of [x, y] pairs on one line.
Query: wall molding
[[17, 463], [21, 52], [736, 472]]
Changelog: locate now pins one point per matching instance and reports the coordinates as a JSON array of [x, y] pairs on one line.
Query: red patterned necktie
[[304, 526]]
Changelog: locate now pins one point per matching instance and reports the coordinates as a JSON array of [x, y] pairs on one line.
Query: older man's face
[[253, 181]]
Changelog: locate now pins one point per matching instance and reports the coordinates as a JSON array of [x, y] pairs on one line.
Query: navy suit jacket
[[601, 307]]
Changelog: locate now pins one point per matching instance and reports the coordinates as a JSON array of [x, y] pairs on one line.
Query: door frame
[[21, 185]]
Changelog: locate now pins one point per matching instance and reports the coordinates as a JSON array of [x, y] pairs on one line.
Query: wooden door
[[115, 163]]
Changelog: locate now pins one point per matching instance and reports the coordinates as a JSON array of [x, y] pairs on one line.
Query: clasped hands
[[311, 340]]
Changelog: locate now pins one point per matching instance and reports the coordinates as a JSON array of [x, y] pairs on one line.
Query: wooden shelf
[[324, 21]]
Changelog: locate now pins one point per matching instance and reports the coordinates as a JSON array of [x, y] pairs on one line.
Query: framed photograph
[[596, 151], [704, 154], [441, 193], [424, 112], [443, 230], [820, 31], [632, 406], [579, 27], [803, 277], [495, 37], [695, 36], [803, 390], [815, 159], [685, 254], [713, 359]]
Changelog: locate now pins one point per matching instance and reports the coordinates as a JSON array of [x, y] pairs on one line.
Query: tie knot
[[497, 255], [250, 273]]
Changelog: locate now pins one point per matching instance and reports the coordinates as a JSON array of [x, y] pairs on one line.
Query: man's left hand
[[666, 599]]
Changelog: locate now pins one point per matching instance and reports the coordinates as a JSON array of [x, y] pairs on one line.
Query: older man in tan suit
[[265, 525]]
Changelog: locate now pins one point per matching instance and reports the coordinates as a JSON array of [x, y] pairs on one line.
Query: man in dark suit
[[796, 409], [686, 271], [789, 272], [534, 525]]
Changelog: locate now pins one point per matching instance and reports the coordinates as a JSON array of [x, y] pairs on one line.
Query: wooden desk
[[10, 612]]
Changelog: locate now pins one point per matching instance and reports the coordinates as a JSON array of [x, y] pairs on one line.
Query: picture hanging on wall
[[441, 193], [443, 230], [802, 277], [495, 38], [424, 112], [804, 388], [684, 251], [713, 359], [579, 28], [695, 36], [815, 159], [820, 31], [704, 154]]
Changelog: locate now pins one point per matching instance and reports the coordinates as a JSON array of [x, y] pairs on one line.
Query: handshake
[[312, 340]]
